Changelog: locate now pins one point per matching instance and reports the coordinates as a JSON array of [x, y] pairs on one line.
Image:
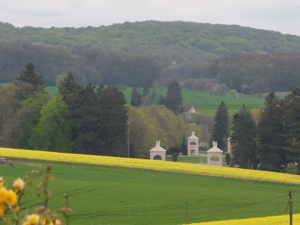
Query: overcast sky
[[276, 15]]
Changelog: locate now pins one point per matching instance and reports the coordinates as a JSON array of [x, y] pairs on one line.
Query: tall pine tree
[[112, 120], [243, 139], [174, 97], [291, 122], [29, 83], [220, 131], [136, 98], [270, 140], [73, 96]]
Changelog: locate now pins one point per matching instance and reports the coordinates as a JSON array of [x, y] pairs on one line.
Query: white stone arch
[[158, 152], [193, 145]]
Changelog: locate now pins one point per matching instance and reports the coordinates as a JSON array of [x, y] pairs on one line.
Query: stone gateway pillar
[[215, 155], [193, 145], [158, 153]]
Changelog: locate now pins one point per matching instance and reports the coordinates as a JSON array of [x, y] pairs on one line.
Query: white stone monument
[[193, 145], [215, 155], [158, 153]]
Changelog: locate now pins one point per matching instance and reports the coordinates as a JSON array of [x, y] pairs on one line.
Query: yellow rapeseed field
[[270, 220], [152, 165]]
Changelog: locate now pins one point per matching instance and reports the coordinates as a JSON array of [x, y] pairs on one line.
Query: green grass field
[[52, 90], [189, 159], [111, 195], [204, 103]]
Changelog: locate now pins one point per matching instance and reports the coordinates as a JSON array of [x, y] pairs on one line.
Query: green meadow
[[204, 103], [207, 104], [189, 159], [112, 195]]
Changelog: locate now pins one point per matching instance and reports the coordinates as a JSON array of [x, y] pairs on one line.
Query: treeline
[[134, 54], [81, 119], [168, 41], [88, 66], [248, 74], [251, 74], [272, 144]]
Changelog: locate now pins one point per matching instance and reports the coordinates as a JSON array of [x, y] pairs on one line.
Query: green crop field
[[112, 195]]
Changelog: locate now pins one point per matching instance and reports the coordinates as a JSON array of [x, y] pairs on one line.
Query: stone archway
[[157, 157]]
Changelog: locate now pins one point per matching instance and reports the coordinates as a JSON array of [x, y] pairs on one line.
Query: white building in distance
[[193, 145], [158, 153], [215, 155]]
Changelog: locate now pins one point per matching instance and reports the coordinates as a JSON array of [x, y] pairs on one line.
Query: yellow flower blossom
[[44, 221], [33, 219], [2, 209], [19, 184], [177, 167], [11, 197], [26, 223], [3, 195], [57, 222], [1, 182], [54, 222]]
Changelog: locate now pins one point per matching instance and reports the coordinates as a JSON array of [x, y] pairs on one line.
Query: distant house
[[188, 109]]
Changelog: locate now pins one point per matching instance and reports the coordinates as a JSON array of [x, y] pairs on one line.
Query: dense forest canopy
[[140, 52], [159, 39], [260, 73]]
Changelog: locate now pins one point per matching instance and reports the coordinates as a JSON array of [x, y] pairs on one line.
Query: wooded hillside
[[140, 51]]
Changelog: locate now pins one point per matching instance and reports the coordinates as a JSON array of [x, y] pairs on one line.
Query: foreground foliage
[[10, 202]]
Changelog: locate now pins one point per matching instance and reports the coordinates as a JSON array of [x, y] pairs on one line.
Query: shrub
[[292, 168], [10, 202]]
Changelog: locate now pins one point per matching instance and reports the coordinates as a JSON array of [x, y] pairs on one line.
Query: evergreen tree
[[146, 88], [270, 129], [28, 75], [73, 96], [69, 89], [29, 83], [291, 122], [243, 139], [220, 131], [174, 97], [98, 118], [87, 124], [112, 120], [136, 98]]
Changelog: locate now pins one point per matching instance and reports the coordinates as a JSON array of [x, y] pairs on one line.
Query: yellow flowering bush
[[189, 168], [270, 220], [10, 200]]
